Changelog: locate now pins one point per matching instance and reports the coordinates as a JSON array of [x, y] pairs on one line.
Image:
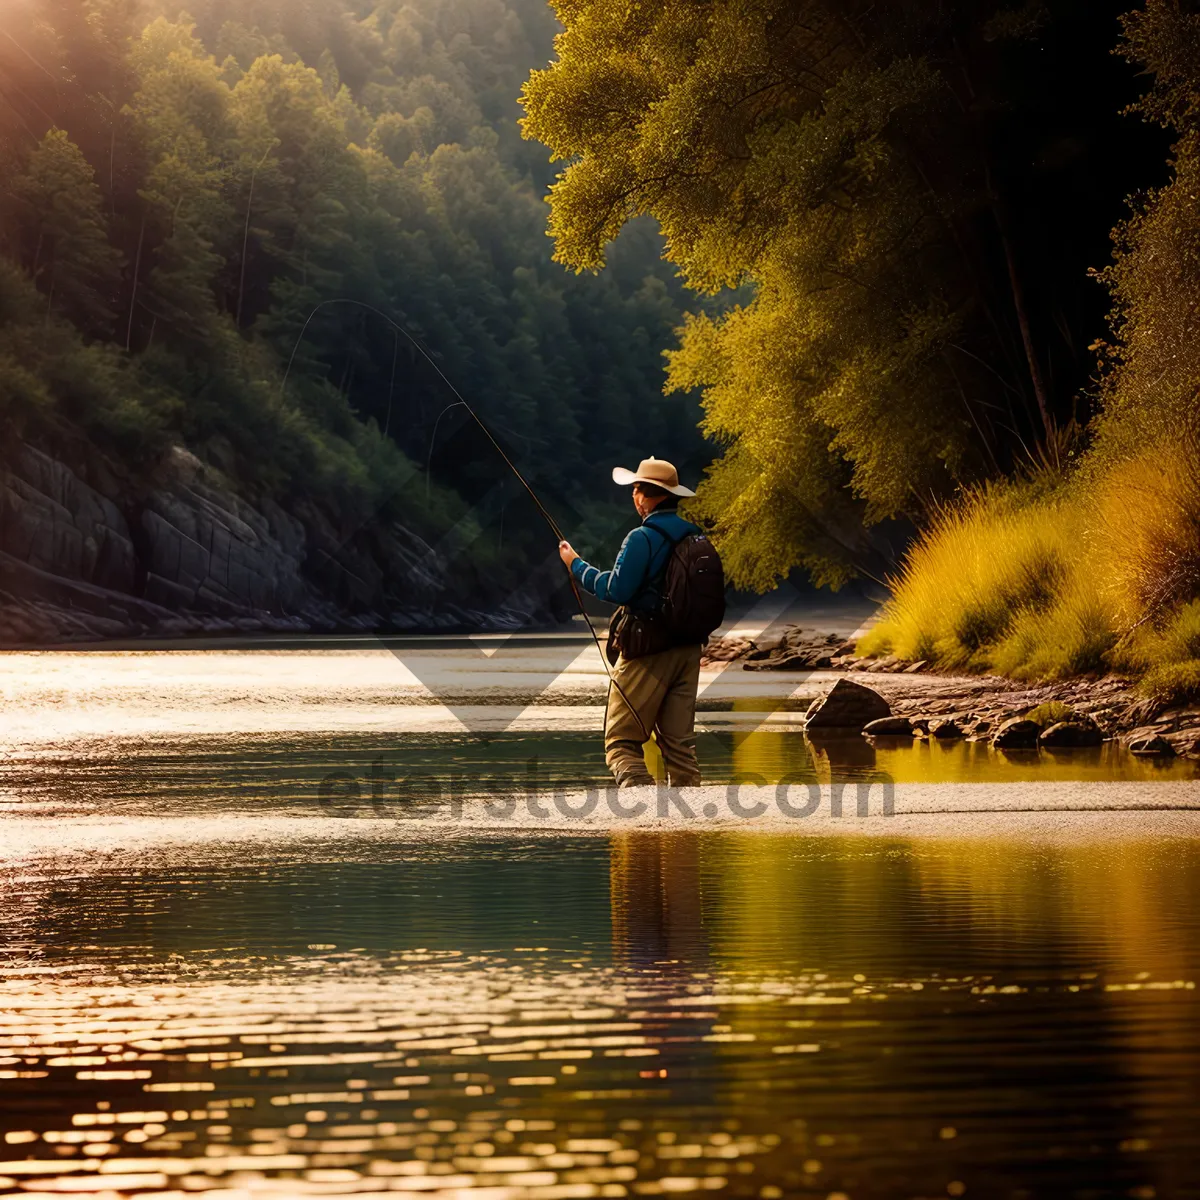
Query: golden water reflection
[[647, 1015], [770, 754]]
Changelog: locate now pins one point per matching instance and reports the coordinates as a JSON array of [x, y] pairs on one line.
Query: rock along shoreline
[[909, 700]]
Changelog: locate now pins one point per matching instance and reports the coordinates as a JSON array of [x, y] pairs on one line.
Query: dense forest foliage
[[898, 182], [212, 221], [916, 193], [240, 226]]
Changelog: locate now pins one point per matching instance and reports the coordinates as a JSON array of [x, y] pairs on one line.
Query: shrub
[[1167, 655], [1050, 713], [1043, 581], [1173, 683], [1181, 637], [1071, 636]]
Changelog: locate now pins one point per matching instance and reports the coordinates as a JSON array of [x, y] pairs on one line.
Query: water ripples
[[526, 1075]]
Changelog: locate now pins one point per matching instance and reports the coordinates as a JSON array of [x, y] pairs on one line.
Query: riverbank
[[977, 707]]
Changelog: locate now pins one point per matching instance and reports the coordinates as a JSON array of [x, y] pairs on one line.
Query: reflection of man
[[656, 691], [656, 899]]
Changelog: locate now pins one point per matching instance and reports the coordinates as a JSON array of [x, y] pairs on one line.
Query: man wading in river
[[668, 581]]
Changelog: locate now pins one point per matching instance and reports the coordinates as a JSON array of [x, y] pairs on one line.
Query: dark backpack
[[693, 590], [693, 604]]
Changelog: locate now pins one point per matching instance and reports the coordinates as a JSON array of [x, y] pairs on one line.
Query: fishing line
[[462, 400], [432, 443]]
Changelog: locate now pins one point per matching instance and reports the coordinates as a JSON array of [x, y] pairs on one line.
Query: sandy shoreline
[[979, 704]]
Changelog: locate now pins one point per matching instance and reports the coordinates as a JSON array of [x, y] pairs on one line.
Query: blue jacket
[[636, 577]]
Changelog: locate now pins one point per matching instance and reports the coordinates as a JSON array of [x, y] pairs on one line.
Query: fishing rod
[[461, 399]]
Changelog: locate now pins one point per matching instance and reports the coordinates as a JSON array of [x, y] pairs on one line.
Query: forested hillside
[[211, 220]]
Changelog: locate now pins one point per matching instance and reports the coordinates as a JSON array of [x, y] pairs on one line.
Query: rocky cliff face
[[85, 555]]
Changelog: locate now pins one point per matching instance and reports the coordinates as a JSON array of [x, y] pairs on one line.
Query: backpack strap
[[652, 576]]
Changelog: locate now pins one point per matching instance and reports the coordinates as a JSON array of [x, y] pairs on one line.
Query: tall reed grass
[[1061, 576]]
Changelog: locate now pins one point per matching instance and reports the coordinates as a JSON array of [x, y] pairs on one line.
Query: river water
[[251, 946]]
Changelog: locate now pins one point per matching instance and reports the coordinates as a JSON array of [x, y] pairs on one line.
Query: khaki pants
[[662, 689]]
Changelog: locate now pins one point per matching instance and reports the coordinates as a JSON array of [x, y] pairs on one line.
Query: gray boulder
[[1070, 735], [1017, 734], [847, 706]]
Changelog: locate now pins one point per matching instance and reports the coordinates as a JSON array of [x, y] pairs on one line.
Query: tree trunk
[[137, 266], [237, 319], [1018, 295], [1014, 278], [246, 240], [112, 167], [387, 424]]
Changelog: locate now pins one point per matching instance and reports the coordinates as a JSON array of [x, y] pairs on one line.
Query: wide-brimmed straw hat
[[656, 471]]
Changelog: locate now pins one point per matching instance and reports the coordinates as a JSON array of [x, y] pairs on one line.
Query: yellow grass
[[1000, 554], [1055, 578]]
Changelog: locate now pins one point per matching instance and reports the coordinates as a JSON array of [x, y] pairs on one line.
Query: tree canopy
[[59, 211], [1151, 382], [855, 165]]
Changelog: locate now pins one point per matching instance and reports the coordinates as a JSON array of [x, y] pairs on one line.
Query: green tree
[[838, 158], [1153, 364], [181, 113], [275, 163], [1143, 471], [60, 210]]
